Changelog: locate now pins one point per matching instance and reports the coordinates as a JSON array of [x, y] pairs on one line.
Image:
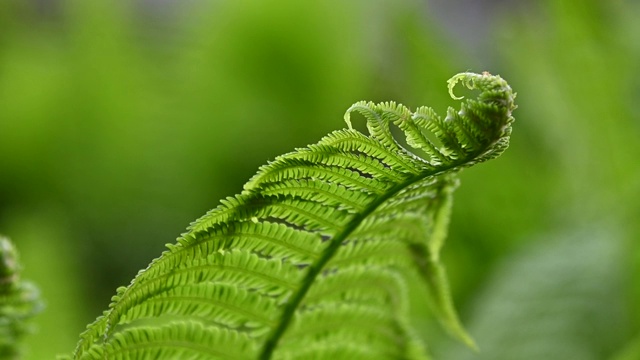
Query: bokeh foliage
[[120, 122]]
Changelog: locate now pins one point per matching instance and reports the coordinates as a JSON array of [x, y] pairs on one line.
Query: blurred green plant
[[550, 300], [19, 301]]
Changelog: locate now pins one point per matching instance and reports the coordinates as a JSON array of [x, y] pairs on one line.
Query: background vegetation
[[121, 122]]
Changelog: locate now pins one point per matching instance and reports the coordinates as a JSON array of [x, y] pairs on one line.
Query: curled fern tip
[[474, 81]]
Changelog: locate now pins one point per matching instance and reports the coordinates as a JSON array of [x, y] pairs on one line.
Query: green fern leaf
[[319, 254]]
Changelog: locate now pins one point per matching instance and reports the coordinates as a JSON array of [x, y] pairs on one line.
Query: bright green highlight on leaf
[[318, 256]]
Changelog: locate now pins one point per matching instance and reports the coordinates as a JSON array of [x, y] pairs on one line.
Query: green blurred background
[[121, 122]]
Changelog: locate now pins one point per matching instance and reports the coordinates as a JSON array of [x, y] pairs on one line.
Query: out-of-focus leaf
[[560, 298], [629, 352]]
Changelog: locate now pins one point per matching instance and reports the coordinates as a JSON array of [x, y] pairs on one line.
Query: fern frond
[[317, 256]]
